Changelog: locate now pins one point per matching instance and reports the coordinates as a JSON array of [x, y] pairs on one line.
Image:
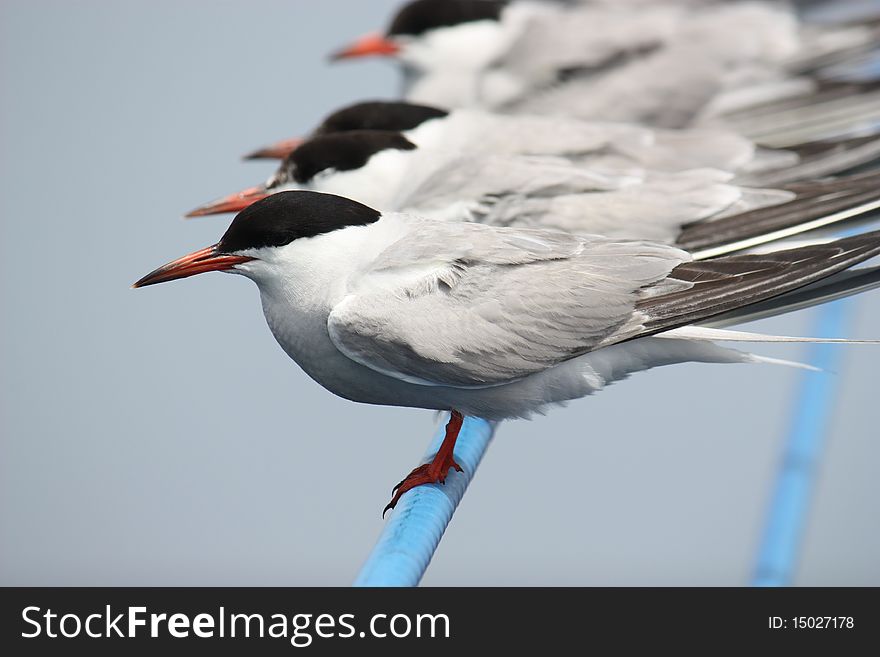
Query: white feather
[[725, 335]]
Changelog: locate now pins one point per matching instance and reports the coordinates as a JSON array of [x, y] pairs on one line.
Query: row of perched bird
[[569, 192]]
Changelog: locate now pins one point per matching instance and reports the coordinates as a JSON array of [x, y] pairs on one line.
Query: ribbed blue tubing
[[416, 525], [798, 471]]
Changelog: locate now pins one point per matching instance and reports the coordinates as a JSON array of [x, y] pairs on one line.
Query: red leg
[[437, 469]]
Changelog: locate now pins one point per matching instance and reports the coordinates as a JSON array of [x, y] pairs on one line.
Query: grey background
[[161, 437]]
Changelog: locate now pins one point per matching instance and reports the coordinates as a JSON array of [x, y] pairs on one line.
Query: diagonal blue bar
[[416, 525], [790, 505]]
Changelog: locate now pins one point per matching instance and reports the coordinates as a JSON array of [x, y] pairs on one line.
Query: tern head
[[427, 31], [259, 233], [312, 166], [397, 116]]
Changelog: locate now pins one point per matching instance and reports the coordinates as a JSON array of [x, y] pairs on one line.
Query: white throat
[[455, 66], [301, 281]]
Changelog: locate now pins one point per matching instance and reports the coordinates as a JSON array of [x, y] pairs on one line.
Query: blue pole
[[798, 472], [417, 523]]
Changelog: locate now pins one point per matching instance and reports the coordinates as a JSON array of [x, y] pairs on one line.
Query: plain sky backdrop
[[161, 437]]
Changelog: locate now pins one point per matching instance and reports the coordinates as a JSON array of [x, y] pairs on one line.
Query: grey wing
[[812, 205], [679, 150], [496, 306], [593, 143], [706, 54], [655, 209], [486, 179], [589, 38], [697, 291], [666, 89]]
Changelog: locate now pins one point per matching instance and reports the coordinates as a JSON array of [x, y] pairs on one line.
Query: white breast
[[301, 282]]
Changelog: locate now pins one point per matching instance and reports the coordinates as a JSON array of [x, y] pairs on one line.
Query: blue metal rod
[[798, 472], [417, 523]]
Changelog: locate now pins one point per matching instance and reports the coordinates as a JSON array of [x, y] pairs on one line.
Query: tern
[[663, 63], [589, 143], [495, 322], [618, 198]]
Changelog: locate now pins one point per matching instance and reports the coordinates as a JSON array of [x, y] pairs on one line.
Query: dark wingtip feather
[[718, 286]]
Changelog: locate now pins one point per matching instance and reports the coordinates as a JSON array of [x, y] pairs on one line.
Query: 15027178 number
[[811, 623]]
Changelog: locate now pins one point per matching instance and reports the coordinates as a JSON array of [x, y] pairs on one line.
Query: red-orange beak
[[370, 45], [277, 151], [207, 259], [232, 203]]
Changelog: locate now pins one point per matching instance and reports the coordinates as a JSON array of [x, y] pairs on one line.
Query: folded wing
[[469, 305], [500, 304]]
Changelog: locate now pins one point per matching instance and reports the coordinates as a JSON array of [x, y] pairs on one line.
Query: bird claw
[[427, 473]]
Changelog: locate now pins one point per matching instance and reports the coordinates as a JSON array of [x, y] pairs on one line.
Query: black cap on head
[[341, 151], [281, 218], [422, 16], [379, 115]]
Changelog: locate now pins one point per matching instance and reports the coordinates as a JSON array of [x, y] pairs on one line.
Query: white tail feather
[[723, 335], [787, 363]]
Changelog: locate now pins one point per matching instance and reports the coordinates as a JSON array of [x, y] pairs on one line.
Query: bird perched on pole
[[496, 322]]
